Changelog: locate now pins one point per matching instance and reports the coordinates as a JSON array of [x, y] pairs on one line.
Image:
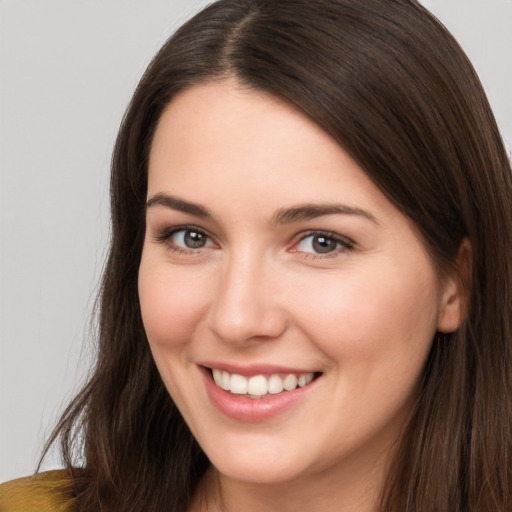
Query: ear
[[456, 291]]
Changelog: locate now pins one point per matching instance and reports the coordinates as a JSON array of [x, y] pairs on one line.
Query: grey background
[[67, 70]]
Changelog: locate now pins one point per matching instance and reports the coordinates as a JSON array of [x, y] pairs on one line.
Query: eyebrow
[[178, 204], [311, 211], [298, 213]]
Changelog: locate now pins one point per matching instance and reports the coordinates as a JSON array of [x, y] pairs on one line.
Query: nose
[[246, 307]]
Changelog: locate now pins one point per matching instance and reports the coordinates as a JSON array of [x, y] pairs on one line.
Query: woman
[[307, 299]]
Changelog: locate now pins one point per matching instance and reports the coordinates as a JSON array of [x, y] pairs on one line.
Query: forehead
[[230, 122], [224, 137]]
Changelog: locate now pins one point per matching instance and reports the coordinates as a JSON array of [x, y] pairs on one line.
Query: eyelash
[[343, 244], [167, 234]]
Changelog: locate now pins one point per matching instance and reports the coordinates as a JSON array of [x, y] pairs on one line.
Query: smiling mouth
[[260, 386]]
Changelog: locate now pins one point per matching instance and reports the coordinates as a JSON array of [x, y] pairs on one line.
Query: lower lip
[[252, 410]]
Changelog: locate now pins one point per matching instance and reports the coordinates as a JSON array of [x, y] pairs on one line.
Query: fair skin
[[268, 251]]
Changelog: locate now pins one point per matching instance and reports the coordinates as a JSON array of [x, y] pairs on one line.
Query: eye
[[189, 238], [322, 243]]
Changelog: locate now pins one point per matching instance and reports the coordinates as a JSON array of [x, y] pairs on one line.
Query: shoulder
[[50, 491]]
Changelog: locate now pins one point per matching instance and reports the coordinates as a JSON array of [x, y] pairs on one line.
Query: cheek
[[171, 304], [372, 322], [376, 336]]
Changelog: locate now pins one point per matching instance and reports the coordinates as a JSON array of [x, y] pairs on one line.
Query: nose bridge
[[244, 307]]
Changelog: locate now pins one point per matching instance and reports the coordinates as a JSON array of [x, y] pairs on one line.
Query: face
[[289, 306]]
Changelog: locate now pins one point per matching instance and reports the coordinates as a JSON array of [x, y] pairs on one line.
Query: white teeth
[[290, 382], [222, 379], [238, 384], [275, 385], [304, 379], [225, 382], [259, 385], [217, 376]]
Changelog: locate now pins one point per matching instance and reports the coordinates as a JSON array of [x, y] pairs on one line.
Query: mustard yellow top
[[45, 492]]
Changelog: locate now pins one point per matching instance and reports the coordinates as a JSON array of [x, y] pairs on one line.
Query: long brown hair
[[392, 86]]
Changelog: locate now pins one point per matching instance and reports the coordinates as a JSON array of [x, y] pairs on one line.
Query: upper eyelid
[[166, 233], [326, 233]]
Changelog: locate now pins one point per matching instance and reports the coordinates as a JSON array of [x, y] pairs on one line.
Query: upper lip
[[255, 369]]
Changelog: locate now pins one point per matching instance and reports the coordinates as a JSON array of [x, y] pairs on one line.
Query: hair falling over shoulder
[[392, 86]]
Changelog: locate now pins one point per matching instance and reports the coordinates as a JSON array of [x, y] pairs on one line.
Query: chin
[[265, 463], [258, 472], [299, 470]]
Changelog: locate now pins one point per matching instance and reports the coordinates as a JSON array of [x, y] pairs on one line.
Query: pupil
[[323, 244], [194, 240]]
